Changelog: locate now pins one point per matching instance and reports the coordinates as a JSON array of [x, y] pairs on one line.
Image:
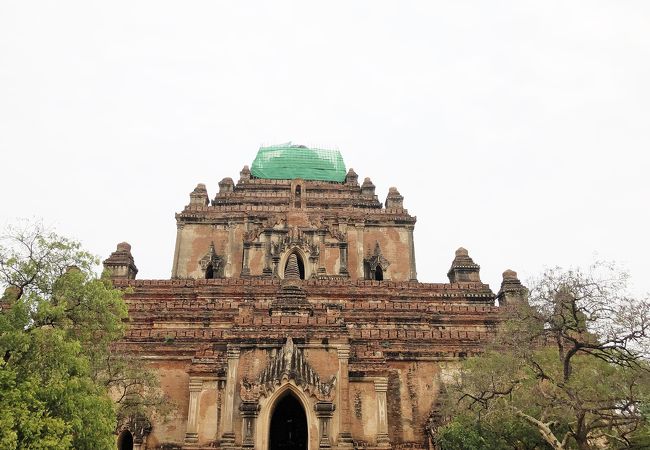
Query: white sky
[[519, 130]]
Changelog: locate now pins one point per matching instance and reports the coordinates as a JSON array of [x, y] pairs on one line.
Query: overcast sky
[[519, 130]]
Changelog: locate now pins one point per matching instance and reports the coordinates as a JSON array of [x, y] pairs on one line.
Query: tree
[[466, 431], [58, 322], [572, 363]]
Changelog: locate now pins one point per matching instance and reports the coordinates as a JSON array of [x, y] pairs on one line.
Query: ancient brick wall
[[311, 293]]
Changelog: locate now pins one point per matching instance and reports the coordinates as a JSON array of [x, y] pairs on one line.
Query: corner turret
[[394, 200], [368, 188], [120, 264], [199, 196], [512, 291], [352, 179], [463, 268]]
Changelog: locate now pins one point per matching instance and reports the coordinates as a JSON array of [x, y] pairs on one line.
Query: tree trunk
[[543, 429]]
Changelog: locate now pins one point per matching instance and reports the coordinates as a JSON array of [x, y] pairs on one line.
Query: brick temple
[[293, 318]]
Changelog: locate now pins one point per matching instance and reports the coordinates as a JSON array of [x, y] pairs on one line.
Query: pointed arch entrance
[[125, 441], [292, 407], [288, 429]]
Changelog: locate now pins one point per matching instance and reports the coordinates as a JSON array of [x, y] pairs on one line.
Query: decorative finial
[[510, 275]]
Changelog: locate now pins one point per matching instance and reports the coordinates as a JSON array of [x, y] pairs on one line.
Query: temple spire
[[292, 271]]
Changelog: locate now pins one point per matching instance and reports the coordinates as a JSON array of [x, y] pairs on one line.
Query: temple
[[293, 318]]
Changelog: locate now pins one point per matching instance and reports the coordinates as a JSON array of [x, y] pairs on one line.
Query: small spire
[[199, 196], [120, 263], [368, 188], [245, 174], [463, 268], [292, 272], [394, 200], [512, 291], [226, 185], [352, 178], [510, 274]]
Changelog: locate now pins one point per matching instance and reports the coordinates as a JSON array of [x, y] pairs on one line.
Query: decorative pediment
[[377, 259], [296, 238], [212, 264], [138, 425], [289, 363]]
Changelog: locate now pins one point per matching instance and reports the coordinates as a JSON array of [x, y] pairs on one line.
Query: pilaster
[[228, 436], [249, 411], [324, 412], [343, 250], [413, 273], [246, 271], [344, 437], [381, 387], [268, 271], [192, 432]]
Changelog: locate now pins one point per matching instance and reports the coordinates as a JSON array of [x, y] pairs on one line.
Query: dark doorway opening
[[288, 425], [125, 441], [379, 274], [209, 272]]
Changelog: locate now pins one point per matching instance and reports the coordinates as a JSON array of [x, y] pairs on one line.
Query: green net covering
[[287, 161]]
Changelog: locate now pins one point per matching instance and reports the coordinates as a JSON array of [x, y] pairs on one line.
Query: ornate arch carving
[[212, 264], [138, 425], [374, 261], [302, 253], [289, 363]]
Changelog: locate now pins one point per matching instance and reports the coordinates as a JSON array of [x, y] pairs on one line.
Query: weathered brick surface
[[401, 334]]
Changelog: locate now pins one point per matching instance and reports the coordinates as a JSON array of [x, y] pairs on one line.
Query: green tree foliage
[[570, 365], [58, 321], [467, 431]]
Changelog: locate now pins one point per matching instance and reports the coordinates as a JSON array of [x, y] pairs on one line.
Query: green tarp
[[287, 161]]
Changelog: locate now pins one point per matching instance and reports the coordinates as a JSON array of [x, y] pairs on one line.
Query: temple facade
[[293, 318]]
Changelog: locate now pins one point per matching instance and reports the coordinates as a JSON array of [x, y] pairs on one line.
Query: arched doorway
[[288, 429], [125, 441]]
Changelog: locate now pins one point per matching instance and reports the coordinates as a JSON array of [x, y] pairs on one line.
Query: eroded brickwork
[[302, 288]]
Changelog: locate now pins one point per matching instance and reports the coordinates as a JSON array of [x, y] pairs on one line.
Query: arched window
[[297, 197], [369, 274], [375, 264]]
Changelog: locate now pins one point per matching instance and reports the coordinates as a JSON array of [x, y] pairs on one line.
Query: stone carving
[[253, 234], [295, 238], [272, 221], [336, 234], [212, 264], [289, 363], [139, 427], [376, 259]]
